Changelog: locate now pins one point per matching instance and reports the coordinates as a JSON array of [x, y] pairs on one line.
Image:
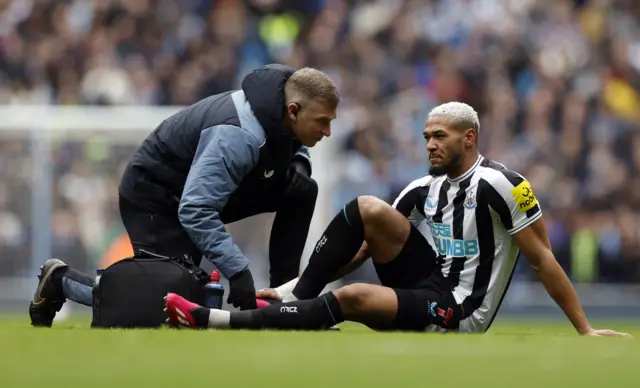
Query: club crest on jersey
[[524, 197], [431, 204], [470, 201]]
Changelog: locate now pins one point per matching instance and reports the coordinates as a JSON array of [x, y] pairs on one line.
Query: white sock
[[289, 298], [285, 291], [219, 319]]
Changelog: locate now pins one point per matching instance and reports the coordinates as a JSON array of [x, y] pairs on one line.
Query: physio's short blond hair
[[311, 85]]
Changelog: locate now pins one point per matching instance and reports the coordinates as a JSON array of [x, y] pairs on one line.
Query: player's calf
[[336, 247]]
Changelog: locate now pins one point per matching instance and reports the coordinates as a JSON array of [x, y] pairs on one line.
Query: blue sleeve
[[225, 154], [303, 155]]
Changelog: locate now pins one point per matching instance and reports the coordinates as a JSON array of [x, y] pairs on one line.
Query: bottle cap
[[215, 275], [99, 271]]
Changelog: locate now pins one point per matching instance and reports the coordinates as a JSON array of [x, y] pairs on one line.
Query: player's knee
[[354, 298], [372, 208]]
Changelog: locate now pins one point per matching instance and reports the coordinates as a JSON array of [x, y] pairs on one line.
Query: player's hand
[[268, 293], [298, 179], [605, 333], [242, 291]]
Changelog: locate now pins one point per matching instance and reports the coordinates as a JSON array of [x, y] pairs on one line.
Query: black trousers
[[162, 233]]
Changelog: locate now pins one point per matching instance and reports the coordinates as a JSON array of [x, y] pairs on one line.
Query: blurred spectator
[[556, 83]]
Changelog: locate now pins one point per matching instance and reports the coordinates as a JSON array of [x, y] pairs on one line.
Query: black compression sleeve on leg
[[313, 314], [338, 245]]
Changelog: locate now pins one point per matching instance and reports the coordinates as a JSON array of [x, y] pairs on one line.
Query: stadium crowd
[[556, 84]]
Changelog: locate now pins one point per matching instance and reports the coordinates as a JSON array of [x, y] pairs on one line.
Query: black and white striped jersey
[[469, 222]]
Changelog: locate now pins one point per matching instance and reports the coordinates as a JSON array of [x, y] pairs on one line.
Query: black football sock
[[336, 248], [200, 317], [74, 285], [312, 314]]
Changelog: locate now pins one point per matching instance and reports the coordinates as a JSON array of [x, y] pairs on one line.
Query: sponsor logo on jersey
[[524, 197], [449, 246]]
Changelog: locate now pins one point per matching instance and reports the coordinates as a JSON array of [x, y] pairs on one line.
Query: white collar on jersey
[[469, 171]]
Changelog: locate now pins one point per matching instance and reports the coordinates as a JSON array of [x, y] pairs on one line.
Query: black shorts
[[425, 296]]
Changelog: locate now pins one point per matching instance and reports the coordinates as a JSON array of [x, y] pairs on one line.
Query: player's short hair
[[462, 116], [311, 85]]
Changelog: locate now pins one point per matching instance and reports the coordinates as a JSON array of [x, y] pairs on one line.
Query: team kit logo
[[524, 197]]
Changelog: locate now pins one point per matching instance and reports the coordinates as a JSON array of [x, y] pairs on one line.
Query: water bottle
[[213, 291], [99, 273]]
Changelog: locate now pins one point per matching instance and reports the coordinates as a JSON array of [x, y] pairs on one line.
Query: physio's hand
[[242, 291], [298, 179], [605, 333]]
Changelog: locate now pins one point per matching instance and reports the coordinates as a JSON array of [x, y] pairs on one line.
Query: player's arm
[[225, 154], [534, 244], [514, 200]]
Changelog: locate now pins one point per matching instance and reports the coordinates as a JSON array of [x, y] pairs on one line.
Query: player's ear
[[470, 137]]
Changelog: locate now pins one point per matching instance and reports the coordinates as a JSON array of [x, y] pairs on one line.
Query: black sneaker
[[47, 300]]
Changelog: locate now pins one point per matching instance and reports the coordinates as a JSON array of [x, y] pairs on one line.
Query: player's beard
[[449, 166]]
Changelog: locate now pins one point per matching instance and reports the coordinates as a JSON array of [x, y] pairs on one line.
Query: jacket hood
[[264, 89]]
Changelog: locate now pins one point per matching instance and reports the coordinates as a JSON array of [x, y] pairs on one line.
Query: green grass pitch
[[524, 354]]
